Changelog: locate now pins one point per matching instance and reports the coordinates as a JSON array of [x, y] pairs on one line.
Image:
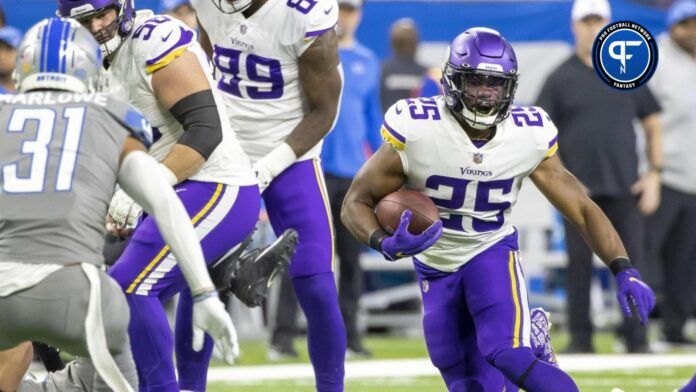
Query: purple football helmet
[[111, 37], [232, 6], [479, 77]]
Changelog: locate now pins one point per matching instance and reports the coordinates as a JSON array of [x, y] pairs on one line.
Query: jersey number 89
[[228, 61]]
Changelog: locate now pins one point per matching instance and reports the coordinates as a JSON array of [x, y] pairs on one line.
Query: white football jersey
[[256, 62], [156, 40], [474, 188]]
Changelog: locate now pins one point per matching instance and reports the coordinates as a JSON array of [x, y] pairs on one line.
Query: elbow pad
[[199, 116]]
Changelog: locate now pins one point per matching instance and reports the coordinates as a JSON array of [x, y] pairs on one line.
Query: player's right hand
[[210, 316], [404, 244], [124, 212]]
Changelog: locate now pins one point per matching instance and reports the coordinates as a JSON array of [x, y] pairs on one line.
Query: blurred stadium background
[[540, 33]]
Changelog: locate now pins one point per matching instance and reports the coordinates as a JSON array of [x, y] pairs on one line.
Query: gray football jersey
[[59, 157]]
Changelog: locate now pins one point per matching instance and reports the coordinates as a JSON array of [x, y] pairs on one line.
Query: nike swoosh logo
[[326, 12], [165, 38], [398, 110]]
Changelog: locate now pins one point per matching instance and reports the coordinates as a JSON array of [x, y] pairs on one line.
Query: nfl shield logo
[[426, 286], [243, 29], [478, 158]]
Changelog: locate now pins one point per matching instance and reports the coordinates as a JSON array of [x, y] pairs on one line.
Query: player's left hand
[[633, 291], [648, 187], [124, 212], [263, 175], [210, 316]]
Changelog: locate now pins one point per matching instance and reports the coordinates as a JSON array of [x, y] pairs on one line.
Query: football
[[390, 208]]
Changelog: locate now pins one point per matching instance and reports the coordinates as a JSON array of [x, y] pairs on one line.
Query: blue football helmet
[[58, 54], [111, 37]]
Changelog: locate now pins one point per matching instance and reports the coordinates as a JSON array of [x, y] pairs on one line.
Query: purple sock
[[151, 343], [466, 376], [191, 365], [524, 369], [326, 333]]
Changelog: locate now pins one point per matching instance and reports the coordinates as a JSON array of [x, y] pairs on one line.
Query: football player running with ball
[[469, 150], [278, 71]]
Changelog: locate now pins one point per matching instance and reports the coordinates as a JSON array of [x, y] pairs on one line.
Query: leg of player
[[223, 216], [13, 364], [450, 334], [497, 298], [297, 199], [55, 311]]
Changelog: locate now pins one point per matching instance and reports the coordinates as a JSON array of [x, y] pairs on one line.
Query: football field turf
[[395, 356]]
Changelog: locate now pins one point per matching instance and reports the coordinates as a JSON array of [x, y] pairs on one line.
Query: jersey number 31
[[39, 149]]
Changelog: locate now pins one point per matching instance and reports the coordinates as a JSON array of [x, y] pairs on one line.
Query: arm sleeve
[[646, 103], [138, 176], [199, 116]]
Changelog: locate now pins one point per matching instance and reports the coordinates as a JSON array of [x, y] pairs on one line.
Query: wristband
[[168, 174], [279, 159], [619, 265], [376, 238], [204, 295]]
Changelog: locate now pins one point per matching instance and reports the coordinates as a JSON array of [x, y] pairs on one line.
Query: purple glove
[[403, 244], [633, 291]]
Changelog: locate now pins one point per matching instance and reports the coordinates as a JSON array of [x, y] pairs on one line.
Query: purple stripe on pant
[[224, 216], [297, 199], [471, 314]]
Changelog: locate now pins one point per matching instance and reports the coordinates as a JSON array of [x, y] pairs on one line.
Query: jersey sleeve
[[546, 135], [161, 39], [131, 119], [318, 17], [393, 129]]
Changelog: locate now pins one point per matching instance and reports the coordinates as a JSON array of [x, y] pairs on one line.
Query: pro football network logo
[[624, 54]]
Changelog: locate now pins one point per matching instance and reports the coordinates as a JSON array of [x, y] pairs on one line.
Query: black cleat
[[249, 276]]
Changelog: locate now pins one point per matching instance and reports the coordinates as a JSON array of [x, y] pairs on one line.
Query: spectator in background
[[354, 137], [597, 142], [3, 19], [401, 74], [672, 230], [9, 43], [180, 9], [346, 148]]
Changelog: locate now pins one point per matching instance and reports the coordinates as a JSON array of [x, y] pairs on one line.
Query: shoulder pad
[[393, 128], [315, 16], [538, 121], [161, 39], [131, 119]]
